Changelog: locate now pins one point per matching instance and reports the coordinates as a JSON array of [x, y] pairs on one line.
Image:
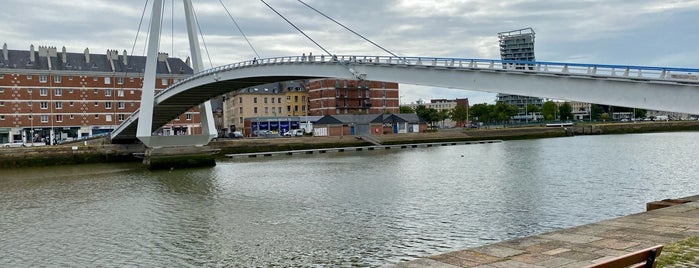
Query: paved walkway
[[583, 245]]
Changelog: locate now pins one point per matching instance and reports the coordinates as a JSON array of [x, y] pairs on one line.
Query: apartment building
[[339, 96], [52, 95]]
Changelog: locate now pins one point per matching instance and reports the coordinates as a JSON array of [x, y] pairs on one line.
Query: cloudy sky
[[639, 32]]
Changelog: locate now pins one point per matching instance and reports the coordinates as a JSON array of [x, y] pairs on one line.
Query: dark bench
[[640, 259]]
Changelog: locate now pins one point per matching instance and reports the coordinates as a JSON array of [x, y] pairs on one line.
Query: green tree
[[502, 111], [481, 111], [549, 110], [428, 114], [460, 114], [406, 110], [596, 112], [604, 116], [566, 111], [443, 115], [640, 113]]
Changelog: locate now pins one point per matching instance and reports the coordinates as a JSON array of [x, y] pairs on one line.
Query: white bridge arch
[[656, 88]]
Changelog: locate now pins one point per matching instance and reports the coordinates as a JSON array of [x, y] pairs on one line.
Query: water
[[342, 209]]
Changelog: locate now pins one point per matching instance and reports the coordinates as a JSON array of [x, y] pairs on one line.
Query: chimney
[[52, 52], [31, 53], [64, 55], [162, 56], [125, 58], [43, 51], [187, 61], [4, 52], [87, 55]]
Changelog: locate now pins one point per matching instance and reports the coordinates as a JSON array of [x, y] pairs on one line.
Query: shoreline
[[100, 151]]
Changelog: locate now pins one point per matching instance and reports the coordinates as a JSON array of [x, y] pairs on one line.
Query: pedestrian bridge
[[655, 88]]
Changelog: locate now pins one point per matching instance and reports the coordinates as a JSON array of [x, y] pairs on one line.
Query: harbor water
[[366, 208]]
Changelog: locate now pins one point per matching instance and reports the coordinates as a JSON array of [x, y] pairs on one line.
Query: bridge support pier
[[179, 157]]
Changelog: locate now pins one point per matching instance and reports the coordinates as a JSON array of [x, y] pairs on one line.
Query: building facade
[[275, 100], [47, 95], [518, 45], [339, 96], [441, 105]]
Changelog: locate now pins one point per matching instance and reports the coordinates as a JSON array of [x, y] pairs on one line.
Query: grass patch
[[684, 252]]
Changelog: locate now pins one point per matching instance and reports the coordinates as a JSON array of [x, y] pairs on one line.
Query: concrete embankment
[[99, 151], [672, 226]]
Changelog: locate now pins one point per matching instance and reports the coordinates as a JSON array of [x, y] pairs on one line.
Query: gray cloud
[[644, 32]]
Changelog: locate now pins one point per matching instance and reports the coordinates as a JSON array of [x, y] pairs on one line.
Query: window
[[279, 100], [288, 98], [131, 79], [97, 103], [2, 117], [97, 116], [70, 91], [108, 118], [266, 110], [29, 77], [95, 91], [296, 98], [265, 99], [132, 91], [120, 105], [59, 118], [2, 103], [44, 118], [279, 110], [2, 90], [108, 92], [58, 105], [188, 117], [272, 100], [241, 110], [108, 105], [107, 80], [254, 110], [163, 82], [70, 77], [72, 116], [241, 120], [56, 79], [288, 108], [30, 104], [133, 104], [240, 100], [71, 103], [121, 117], [43, 92], [120, 80], [43, 79], [94, 79], [303, 108], [120, 93], [43, 105], [57, 92], [254, 100], [303, 98]]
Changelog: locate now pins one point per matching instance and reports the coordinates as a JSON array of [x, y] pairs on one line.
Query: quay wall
[[100, 151]]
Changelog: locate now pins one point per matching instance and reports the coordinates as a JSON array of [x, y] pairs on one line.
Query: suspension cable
[[338, 23], [206, 48], [140, 23], [239, 29], [297, 28]]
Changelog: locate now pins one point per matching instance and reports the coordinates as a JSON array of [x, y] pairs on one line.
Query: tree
[[443, 115], [428, 114], [502, 111], [640, 113], [604, 116], [549, 110], [460, 114], [481, 111], [596, 112], [566, 111], [532, 109], [406, 110]]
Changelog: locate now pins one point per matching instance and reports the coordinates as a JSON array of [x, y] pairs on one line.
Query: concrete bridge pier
[[179, 157]]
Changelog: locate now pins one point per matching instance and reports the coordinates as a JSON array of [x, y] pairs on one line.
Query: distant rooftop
[[48, 58]]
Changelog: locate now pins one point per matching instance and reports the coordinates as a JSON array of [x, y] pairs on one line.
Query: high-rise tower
[[518, 45]]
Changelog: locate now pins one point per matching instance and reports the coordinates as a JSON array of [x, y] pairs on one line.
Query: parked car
[[294, 133], [235, 135], [14, 144]]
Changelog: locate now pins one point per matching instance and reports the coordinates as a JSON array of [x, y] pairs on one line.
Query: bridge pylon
[[145, 127]]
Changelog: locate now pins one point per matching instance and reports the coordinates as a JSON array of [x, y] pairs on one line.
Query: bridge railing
[[686, 75]]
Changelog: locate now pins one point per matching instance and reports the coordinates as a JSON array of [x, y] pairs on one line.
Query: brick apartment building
[[73, 95], [335, 96]]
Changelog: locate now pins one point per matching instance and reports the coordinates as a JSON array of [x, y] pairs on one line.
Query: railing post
[[662, 74], [565, 69], [492, 65], [626, 72]]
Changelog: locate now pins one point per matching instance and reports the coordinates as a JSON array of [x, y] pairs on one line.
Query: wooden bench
[[640, 259]]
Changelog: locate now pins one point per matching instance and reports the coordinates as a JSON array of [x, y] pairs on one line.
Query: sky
[[639, 32]]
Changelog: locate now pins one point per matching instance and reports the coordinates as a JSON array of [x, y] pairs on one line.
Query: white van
[[294, 133]]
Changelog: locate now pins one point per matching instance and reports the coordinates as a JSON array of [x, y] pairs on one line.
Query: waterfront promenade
[[588, 244]]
